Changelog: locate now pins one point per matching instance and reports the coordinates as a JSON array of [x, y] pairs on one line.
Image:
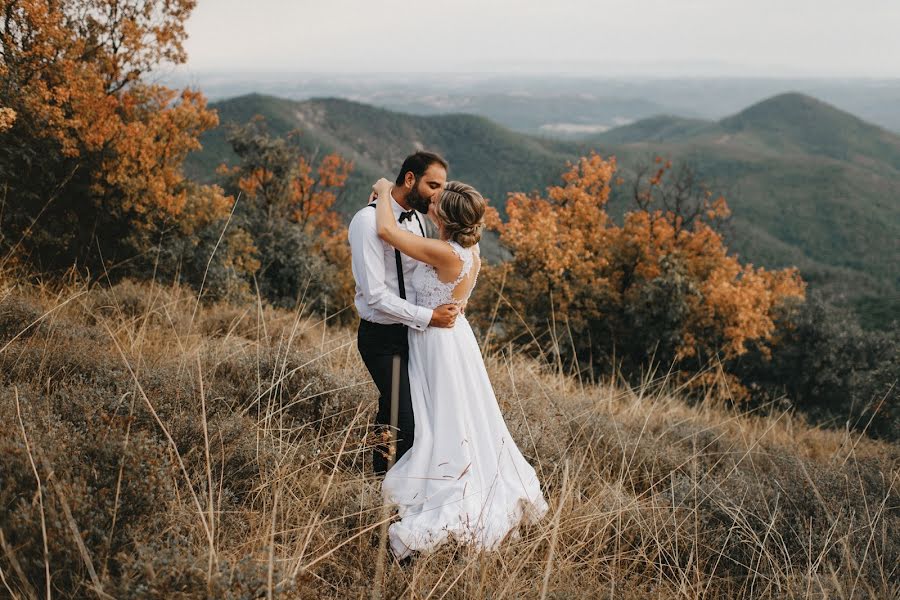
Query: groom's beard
[[418, 201]]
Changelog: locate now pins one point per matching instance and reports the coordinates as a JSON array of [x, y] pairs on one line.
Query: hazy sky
[[640, 37]]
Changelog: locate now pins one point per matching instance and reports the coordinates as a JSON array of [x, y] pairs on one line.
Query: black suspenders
[[400, 283], [400, 274]]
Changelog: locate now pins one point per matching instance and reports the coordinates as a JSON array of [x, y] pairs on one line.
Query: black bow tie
[[408, 214]]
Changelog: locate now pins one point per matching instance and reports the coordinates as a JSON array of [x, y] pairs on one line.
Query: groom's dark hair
[[418, 163]]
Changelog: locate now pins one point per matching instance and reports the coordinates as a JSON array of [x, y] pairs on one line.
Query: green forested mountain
[[492, 158], [798, 124], [809, 185]]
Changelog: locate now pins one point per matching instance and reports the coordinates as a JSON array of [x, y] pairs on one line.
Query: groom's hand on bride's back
[[444, 315]]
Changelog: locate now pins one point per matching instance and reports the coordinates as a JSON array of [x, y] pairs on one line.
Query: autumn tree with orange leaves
[[90, 153], [659, 287], [286, 205]]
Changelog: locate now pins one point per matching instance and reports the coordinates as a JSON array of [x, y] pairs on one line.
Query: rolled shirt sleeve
[[368, 263]]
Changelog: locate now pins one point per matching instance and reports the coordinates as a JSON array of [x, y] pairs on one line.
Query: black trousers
[[378, 344]]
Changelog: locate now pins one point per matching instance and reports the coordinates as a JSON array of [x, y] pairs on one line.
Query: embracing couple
[[458, 472]]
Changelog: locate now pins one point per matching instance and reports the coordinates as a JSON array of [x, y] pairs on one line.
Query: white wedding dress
[[464, 476]]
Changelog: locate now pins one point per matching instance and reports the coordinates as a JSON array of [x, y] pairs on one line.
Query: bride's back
[[432, 291], [466, 284]]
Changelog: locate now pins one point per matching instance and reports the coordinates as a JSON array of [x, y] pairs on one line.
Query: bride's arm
[[427, 250]]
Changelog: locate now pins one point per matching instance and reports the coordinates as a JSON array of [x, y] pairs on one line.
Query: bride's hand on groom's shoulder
[[381, 183], [382, 186]]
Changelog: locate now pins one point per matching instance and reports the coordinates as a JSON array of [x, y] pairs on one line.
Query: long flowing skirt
[[464, 476]]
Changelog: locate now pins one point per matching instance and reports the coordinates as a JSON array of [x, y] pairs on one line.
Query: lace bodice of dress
[[431, 292]]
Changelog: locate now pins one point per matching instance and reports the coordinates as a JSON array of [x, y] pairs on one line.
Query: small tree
[[824, 363], [287, 210], [661, 285]]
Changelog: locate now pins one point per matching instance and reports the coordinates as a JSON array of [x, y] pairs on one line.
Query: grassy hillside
[[158, 449], [809, 185]]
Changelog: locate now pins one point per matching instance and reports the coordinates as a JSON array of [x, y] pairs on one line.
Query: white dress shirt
[[375, 271]]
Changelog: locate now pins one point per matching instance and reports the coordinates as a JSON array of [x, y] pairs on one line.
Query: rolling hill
[[489, 156], [803, 125], [809, 185]]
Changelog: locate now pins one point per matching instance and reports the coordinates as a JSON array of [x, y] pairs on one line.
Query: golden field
[[158, 447]]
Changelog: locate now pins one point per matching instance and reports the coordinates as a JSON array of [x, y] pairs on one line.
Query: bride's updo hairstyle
[[460, 210]]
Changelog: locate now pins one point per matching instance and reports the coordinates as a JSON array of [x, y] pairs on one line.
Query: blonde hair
[[460, 209]]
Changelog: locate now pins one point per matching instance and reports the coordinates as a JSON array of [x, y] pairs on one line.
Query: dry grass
[[222, 452]]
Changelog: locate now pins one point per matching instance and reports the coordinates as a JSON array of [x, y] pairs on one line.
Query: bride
[[464, 476]]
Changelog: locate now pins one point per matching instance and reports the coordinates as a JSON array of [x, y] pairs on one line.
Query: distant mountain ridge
[[808, 184], [787, 123], [661, 128], [560, 115]]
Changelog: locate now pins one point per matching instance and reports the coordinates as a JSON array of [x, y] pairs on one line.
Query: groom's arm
[[367, 252]]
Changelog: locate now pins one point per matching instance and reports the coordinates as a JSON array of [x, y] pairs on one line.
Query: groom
[[386, 299]]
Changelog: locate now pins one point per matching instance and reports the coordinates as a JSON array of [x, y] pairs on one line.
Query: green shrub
[[830, 368]]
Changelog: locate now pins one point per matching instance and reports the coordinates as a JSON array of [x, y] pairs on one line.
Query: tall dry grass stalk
[[40, 495], [222, 451]]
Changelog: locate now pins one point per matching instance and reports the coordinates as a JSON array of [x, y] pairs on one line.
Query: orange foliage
[[312, 199], [571, 261], [155, 136], [311, 205], [206, 205], [285, 184], [308, 199], [71, 72], [7, 118]]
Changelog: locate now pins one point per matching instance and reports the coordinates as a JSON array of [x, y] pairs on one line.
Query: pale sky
[[641, 37]]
